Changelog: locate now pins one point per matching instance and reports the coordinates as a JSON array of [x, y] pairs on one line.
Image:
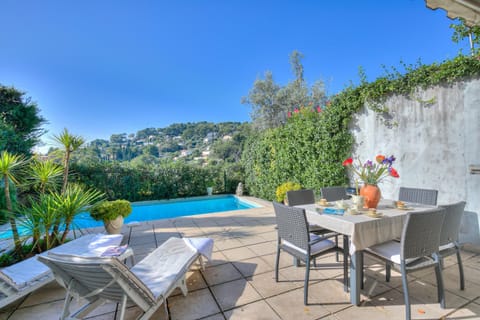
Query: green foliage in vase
[[110, 210]]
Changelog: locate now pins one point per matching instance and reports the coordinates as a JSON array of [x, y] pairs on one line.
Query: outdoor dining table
[[362, 231]]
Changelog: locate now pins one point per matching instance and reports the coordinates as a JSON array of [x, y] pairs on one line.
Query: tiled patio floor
[[239, 281]]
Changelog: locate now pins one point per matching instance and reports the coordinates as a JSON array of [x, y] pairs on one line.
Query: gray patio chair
[[417, 195], [147, 284], [307, 196], [418, 249], [334, 193], [449, 236], [294, 238]]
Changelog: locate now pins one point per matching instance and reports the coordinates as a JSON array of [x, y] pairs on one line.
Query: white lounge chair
[[24, 277], [147, 284]]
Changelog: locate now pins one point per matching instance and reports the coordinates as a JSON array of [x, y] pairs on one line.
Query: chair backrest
[[292, 225], [334, 193], [421, 233], [451, 223], [110, 278], [417, 195], [299, 197]]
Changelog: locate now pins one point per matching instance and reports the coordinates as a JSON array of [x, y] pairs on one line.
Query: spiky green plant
[[10, 167], [39, 220], [74, 200], [70, 143], [45, 175]]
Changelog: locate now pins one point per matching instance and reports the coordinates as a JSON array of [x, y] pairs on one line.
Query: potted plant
[[210, 183], [281, 192], [112, 214], [371, 173]]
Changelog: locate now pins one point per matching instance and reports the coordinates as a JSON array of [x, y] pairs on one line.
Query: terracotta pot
[[114, 226], [371, 194]]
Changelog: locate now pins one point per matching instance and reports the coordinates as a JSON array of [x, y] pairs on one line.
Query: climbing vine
[[310, 147]]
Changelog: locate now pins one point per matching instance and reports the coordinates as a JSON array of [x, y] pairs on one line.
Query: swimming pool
[[164, 209]]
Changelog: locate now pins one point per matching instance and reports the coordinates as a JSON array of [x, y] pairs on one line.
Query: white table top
[[364, 231]]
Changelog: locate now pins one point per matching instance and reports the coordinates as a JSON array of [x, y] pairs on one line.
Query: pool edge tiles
[[84, 221], [248, 203]]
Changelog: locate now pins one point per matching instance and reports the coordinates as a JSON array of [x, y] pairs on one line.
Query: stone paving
[[239, 281]]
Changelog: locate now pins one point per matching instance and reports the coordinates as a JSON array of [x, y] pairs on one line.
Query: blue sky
[[103, 67]]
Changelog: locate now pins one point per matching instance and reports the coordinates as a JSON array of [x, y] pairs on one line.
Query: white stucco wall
[[434, 143]]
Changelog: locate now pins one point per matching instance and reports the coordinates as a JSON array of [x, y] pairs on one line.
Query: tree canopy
[[20, 122], [271, 102]]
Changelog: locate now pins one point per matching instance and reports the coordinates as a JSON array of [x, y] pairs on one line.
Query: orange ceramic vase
[[372, 195]]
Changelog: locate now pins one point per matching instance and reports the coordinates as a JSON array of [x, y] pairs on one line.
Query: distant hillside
[[200, 142]]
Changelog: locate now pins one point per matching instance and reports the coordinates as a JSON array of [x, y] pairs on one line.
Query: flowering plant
[[373, 172]]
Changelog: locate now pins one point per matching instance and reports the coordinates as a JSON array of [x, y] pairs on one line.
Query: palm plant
[[70, 143], [10, 166], [74, 200], [40, 218], [45, 175]]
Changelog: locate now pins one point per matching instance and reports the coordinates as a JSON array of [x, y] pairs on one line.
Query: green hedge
[[167, 180]]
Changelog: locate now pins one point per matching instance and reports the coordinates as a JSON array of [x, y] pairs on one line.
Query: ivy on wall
[[310, 147]]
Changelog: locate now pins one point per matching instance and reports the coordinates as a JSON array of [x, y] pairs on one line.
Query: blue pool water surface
[[154, 210]]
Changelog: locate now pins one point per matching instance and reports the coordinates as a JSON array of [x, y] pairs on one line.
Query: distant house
[[226, 138], [206, 153], [185, 153], [209, 137]]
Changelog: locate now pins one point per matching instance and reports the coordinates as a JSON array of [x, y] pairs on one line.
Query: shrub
[[282, 190], [110, 210]]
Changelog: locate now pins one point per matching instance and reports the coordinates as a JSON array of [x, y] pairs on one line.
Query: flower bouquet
[[371, 173]]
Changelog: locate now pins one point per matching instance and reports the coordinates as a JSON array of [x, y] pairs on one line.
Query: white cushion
[[388, 250], [446, 246], [391, 251], [316, 248], [161, 268]]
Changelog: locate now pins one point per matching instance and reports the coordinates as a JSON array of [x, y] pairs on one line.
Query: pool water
[[164, 209]]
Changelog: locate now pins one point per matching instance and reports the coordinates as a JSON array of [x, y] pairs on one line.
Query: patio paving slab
[[259, 310], [235, 293], [238, 283]]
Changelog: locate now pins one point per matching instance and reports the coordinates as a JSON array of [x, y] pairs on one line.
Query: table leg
[[345, 263], [355, 275]]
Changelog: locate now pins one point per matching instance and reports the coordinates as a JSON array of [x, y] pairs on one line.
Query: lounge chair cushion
[[22, 274], [162, 267]]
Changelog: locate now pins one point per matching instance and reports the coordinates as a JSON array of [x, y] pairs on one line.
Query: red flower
[[394, 173], [319, 109], [380, 158], [348, 162], [289, 114], [296, 110]]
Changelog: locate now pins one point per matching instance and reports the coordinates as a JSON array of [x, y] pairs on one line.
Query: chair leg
[[336, 244], [440, 290], [460, 270], [388, 272], [307, 278], [277, 262], [362, 276], [405, 292], [123, 306], [345, 263]]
